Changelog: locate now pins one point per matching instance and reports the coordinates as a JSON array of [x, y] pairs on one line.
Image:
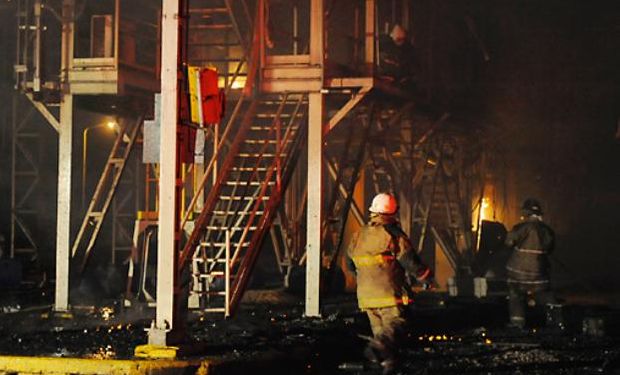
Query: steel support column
[[316, 132], [65, 140], [369, 39], [315, 200], [167, 175], [63, 216]]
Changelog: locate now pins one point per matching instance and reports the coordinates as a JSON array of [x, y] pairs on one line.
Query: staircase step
[[225, 213], [229, 198], [282, 115], [291, 101], [233, 229], [208, 293], [265, 128], [222, 26], [256, 155], [249, 169], [208, 244], [250, 183], [208, 10], [215, 309], [262, 141], [208, 260], [210, 274]]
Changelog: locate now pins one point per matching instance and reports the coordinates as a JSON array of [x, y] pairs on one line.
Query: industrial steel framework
[[25, 180], [296, 85]]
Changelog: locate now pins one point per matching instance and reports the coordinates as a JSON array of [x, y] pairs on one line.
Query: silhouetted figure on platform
[[397, 60]]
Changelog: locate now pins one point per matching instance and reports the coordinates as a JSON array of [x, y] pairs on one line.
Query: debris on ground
[[454, 337]]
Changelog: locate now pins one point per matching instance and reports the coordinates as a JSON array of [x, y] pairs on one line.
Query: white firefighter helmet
[[383, 203], [398, 34]]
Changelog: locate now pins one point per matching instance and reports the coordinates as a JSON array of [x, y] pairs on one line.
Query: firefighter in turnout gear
[[532, 242], [397, 59], [384, 262]]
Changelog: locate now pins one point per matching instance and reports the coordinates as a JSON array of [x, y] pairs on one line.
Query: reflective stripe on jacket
[[380, 258], [532, 241]]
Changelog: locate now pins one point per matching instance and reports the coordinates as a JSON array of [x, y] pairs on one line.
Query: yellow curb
[[86, 366]]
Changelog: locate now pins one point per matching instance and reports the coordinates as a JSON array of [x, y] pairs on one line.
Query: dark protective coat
[[396, 61], [383, 258], [532, 241]]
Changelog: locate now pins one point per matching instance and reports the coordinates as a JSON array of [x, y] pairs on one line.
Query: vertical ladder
[[242, 204], [217, 39], [124, 208], [105, 190], [25, 178]]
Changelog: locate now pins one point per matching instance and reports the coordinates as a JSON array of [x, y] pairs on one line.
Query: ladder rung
[[115, 160], [215, 309], [95, 214]]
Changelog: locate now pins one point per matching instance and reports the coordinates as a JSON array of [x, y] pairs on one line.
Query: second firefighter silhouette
[[532, 242], [384, 262], [397, 59]]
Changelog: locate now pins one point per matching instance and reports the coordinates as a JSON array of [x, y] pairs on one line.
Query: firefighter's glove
[[428, 285], [424, 275]]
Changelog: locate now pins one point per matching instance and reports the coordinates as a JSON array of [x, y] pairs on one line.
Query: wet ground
[[269, 333]]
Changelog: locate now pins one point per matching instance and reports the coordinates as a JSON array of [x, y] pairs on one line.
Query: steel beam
[[316, 132], [51, 119], [65, 140], [63, 217], [342, 112], [167, 175], [315, 200], [369, 40]]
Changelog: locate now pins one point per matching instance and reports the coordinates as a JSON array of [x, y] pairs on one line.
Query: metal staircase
[[104, 192], [240, 207]]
